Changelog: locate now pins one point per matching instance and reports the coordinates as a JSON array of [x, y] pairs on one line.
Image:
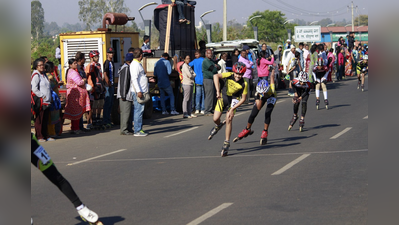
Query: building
[[361, 33]]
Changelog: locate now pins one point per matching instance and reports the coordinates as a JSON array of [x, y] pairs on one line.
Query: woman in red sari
[[348, 63], [77, 100]]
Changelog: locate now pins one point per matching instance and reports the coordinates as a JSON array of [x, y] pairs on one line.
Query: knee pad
[[268, 113], [304, 108], [253, 115]]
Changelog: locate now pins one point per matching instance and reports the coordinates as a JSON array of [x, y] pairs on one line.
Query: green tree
[[92, 11], [361, 20], [37, 19], [270, 25], [325, 22]]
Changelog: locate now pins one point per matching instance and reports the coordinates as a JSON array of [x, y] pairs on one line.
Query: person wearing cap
[[287, 62], [146, 42], [288, 44], [109, 72], [125, 99]]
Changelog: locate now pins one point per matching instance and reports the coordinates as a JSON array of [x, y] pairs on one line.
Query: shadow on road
[[105, 220], [320, 127], [261, 147], [170, 128], [337, 106]]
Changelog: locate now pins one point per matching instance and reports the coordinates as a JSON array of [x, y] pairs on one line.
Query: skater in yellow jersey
[[43, 162], [231, 92]]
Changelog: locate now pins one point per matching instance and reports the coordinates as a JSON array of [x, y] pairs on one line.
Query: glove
[[296, 100]]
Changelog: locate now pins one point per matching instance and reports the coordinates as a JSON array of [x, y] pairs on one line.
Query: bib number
[[234, 102], [271, 100], [42, 155]]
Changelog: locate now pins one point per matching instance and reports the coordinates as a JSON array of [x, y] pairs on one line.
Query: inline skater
[[231, 93], [265, 93], [301, 86], [320, 74], [43, 162], [362, 68]]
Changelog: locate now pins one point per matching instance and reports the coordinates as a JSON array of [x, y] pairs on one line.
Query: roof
[[344, 29]]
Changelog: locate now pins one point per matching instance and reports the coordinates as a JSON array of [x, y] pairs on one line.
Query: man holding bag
[[138, 86]]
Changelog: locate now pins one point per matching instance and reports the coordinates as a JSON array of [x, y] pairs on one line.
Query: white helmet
[[303, 77], [366, 57], [262, 87]]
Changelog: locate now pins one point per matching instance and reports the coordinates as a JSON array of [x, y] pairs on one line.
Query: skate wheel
[[210, 137], [235, 139], [263, 141], [99, 223], [326, 106], [251, 132], [224, 153], [317, 107], [289, 127], [300, 129], [362, 90]]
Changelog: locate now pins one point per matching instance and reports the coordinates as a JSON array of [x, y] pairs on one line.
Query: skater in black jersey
[[43, 162], [265, 94], [301, 86]]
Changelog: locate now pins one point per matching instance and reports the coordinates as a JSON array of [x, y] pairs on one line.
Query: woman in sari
[[331, 64], [77, 100], [348, 63]]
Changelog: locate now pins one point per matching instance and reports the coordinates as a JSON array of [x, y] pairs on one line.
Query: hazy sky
[[67, 11]]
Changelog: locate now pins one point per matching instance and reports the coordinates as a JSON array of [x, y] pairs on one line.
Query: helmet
[[303, 77], [320, 61], [262, 86], [366, 57], [239, 67], [94, 53]]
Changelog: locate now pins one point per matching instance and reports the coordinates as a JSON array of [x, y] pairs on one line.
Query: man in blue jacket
[[199, 82], [162, 70]]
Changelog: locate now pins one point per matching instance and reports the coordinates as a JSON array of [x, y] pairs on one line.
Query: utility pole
[[225, 20], [353, 25]]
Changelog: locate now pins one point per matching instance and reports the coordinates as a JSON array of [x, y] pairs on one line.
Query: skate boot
[[326, 103], [89, 216], [317, 103], [358, 84], [244, 133], [301, 124], [362, 87], [225, 148], [215, 130], [263, 137], [293, 121]]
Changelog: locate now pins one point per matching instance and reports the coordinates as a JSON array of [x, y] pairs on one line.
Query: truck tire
[[148, 108]]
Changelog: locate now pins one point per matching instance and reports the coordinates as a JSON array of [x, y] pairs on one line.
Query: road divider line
[[341, 133], [96, 157], [184, 131], [291, 164], [366, 117], [209, 214]]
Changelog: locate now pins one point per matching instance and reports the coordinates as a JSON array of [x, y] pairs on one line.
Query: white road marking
[[291, 164], [193, 128], [341, 133], [209, 214], [218, 156], [366, 117], [96, 157], [280, 101]]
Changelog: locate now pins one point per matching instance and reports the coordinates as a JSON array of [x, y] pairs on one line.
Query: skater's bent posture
[[320, 74], [231, 92], [301, 86], [43, 162], [265, 93]]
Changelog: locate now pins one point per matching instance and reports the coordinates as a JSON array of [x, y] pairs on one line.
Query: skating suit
[[320, 75]]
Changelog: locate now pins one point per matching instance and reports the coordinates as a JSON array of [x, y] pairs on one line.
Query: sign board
[[364, 36], [307, 34]]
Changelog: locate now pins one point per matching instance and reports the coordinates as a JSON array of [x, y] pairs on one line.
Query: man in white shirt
[[222, 63], [138, 86], [287, 62]]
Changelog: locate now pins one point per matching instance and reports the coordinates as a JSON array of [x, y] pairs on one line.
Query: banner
[[307, 34]]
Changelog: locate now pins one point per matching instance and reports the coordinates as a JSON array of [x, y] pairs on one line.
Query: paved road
[[318, 176]]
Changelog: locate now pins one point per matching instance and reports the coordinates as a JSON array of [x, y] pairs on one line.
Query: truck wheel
[[148, 108]]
